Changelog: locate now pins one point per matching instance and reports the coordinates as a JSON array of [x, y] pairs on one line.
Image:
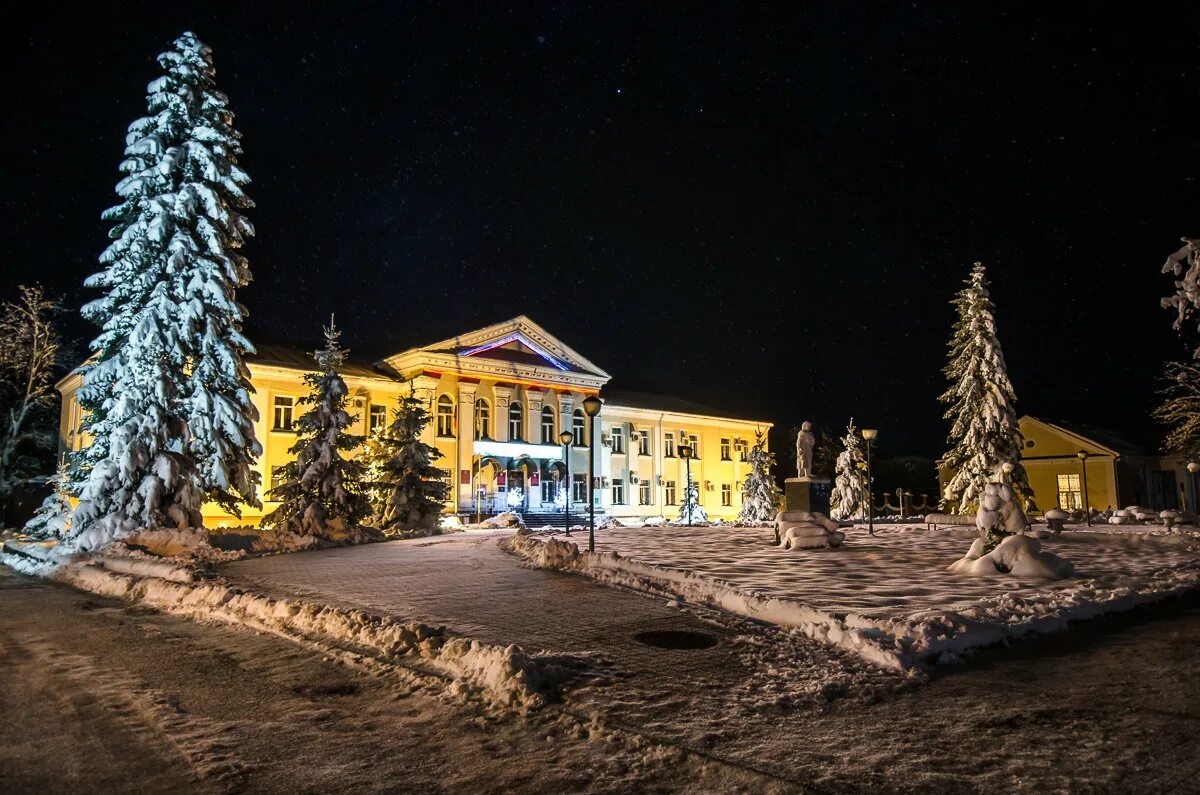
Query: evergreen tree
[[690, 510], [848, 500], [1184, 263], [375, 455], [53, 518], [984, 433], [760, 493], [320, 489], [166, 394], [1180, 410], [416, 491]]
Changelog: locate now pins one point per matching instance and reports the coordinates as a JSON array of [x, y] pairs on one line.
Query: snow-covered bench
[[948, 519], [806, 530]]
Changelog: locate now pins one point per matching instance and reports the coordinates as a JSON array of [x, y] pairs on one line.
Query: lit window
[[694, 441], [283, 412], [644, 493], [483, 419], [643, 442], [276, 481], [548, 436], [618, 440], [378, 418], [725, 450], [726, 495], [445, 416], [618, 491], [516, 427], [577, 427], [669, 493], [1070, 497], [739, 447], [669, 445]]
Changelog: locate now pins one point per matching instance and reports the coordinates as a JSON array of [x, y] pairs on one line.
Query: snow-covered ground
[[889, 598]]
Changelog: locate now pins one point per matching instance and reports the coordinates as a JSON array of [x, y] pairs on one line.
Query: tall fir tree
[[984, 433], [1180, 407], [848, 499], [416, 491], [1184, 264], [166, 394], [320, 489], [761, 496]]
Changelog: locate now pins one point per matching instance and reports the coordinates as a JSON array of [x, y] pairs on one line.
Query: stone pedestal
[[806, 494]]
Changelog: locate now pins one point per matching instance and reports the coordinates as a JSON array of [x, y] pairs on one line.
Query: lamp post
[[685, 452], [869, 435], [1083, 456], [1193, 468], [566, 437], [591, 407]]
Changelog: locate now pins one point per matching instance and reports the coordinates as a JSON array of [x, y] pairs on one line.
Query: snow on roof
[[1113, 440], [646, 400], [300, 359]]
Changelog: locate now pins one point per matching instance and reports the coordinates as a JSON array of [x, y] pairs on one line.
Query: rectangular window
[[549, 490], [644, 493], [618, 440], [276, 480], [726, 495], [578, 487], [669, 493], [1070, 497], [618, 491], [668, 445], [694, 441], [725, 450], [284, 406], [378, 418], [739, 447], [577, 428], [643, 442]]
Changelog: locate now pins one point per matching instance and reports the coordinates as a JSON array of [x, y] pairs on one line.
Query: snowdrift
[[1018, 556]]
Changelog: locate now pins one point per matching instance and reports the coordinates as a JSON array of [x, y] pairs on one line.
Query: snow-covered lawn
[[888, 598], [900, 571]]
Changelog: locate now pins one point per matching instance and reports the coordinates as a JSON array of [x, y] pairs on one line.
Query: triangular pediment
[[1054, 441], [519, 345]]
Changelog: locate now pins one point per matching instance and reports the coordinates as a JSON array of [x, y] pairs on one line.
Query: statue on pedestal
[[804, 451]]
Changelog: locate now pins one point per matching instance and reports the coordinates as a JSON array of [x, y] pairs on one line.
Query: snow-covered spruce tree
[[416, 491], [320, 489], [760, 493], [984, 433], [690, 510], [166, 394], [53, 518], [848, 500], [1180, 409], [374, 457]]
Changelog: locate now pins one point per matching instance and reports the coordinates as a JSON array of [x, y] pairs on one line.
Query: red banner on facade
[[533, 479], [464, 477]]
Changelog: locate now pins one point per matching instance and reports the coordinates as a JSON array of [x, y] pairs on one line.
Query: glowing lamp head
[[591, 405], [1193, 467], [566, 437], [1008, 467], [869, 434], [685, 451], [1083, 455]]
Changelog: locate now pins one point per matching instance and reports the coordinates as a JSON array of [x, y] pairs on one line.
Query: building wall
[[710, 471]]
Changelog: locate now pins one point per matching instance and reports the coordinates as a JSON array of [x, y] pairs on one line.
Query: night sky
[[766, 213]]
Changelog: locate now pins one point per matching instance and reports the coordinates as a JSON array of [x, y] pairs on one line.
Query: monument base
[[806, 494]]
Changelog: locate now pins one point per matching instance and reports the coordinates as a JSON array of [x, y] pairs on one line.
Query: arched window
[[445, 416], [515, 426], [577, 426], [483, 419], [548, 426]]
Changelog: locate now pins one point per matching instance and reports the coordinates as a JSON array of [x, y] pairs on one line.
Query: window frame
[[372, 415], [445, 417], [643, 441], [578, 427], [618, 491], [483, 419], [617, 437], [670, 493], [726, 495], [668, 444], [548, 435], [290, 406], [726, 449], [516, 422]]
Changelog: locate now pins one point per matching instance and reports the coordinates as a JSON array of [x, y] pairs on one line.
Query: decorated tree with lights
[[320, 490], [690, 510], [848, 499], [760, 493], [375, 455], [415, 489], [166, 395], [984, 432]]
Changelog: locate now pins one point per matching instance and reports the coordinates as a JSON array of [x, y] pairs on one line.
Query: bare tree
[[29, 347], [1180, 409]]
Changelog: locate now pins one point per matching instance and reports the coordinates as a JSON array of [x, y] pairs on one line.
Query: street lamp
[[1083, 456], [591, 407], [1193, 468], [869, 435], [685, 452], [566, 437]]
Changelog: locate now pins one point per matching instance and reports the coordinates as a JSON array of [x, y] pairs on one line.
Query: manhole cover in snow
[[676, 639]]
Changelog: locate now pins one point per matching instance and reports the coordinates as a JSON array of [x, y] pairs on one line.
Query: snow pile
[[506, 519], [1018, 555], [504, 676], [805, 530], [999, 514]]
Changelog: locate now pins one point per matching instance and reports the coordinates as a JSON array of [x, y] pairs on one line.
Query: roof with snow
[[300, 359], [651, 402]]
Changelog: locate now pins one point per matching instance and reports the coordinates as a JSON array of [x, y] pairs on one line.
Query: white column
[[500, 421], [466, 443]]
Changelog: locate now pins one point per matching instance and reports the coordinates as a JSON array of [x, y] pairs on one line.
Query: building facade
[[499, 398]]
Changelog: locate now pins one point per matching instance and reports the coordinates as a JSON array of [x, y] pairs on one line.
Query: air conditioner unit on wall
[[633, 478]]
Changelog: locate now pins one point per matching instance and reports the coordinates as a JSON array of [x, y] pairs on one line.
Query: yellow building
[[1119, 472], [498, 398]]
